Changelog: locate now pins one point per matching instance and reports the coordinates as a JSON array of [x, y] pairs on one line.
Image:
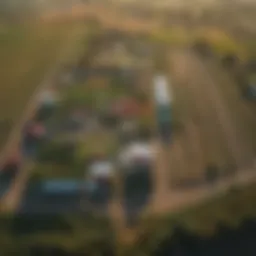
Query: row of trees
[[56, 235]]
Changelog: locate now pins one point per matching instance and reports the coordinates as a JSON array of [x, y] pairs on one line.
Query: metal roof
[[162, 93]]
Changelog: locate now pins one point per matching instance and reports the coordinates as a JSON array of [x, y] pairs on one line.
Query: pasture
[[27, 53]]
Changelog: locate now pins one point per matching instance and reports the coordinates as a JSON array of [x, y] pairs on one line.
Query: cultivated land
[[27, 53], [214, 126]]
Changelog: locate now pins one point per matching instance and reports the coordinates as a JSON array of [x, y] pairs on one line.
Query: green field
[[74, 235], [230, 209], [27, 53]]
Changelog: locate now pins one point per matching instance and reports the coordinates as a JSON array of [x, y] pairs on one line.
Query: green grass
[[203, 219], [57, 171], [173, 36], [27, 53], [82, 236], [230, 209]]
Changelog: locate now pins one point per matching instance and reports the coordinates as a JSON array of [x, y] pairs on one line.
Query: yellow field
[[27, 53]]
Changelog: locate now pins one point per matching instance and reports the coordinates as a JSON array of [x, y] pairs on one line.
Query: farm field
[[85, 125], [74, 148], [27, 53]]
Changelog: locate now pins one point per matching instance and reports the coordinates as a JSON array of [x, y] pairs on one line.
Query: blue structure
[[52, 197], [61, 197], [62, 187]]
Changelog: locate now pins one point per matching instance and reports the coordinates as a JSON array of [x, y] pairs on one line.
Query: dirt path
[[11, 200], [179, 200]]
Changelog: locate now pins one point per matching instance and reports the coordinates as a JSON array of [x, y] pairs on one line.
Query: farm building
[[48, 98], [136, 163], [52, 197], [163, 105], [8, 172], [128, 131], [11, 164], [136, 154], [101, 173], [101, 169], [47, 102], [125, 107], [32, 136], [35, 130]]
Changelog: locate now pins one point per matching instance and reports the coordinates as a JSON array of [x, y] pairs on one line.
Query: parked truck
[[163, 105]]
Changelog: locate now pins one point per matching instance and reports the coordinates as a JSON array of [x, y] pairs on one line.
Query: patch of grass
[[82, 236], [229, 209], [97, 143], [27, 53], [220, 41], [173, 36], [57, 171]]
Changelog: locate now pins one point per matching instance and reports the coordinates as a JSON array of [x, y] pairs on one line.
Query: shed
[[162, 93], [62, 186], [137, 153], [126, 107], [36, 130], [48, 98], [101, 169]]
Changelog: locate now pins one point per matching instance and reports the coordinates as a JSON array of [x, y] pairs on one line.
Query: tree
[[212, 173], [230, 61], [61, 153], [202, 47]]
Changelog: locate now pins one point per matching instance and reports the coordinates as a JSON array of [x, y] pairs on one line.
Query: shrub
[[212, 173], [60, 153]]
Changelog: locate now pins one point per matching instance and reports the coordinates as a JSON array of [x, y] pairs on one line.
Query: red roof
[[37, 130], [126, 107], [13, 159]]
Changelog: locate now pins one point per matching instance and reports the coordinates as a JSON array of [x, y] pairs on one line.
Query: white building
[[161, 90], [103, 169], [136, 153]]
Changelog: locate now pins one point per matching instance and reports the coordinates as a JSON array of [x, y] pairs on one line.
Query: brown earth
[[207, 128]]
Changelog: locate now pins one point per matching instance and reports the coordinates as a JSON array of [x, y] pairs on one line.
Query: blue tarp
[[63, 196], [62, 186]]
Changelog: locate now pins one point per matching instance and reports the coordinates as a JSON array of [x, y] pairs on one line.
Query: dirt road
[[11, 200]]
